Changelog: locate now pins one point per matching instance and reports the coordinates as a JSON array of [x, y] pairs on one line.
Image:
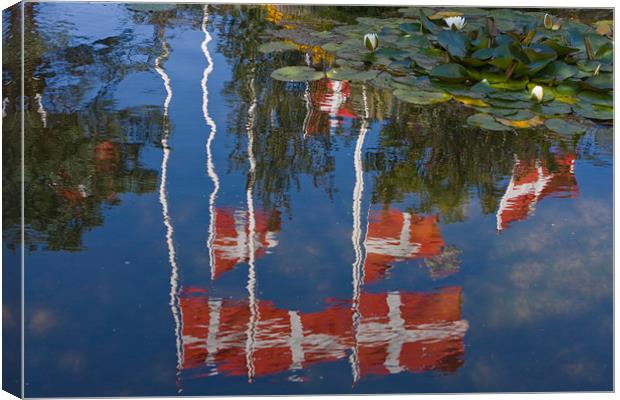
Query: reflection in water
[[394, 236], [231, 239], [356, 233], [410, 184], [531, 181], [327, 106], [163, 199], [398, 331], [213, 128]]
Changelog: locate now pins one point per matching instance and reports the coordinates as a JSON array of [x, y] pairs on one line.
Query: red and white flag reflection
[[231, 244], [532, 181], [397, 332], [394, 235]]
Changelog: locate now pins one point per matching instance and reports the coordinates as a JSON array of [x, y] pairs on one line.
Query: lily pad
[[421, 97], [521, 123], [601, 82], [486, 121], [598, 98], [593, 111], [563, 126], [556, 71], [454, 42], [273, 47], [553, 108], [296, 74], [450, 73], [350, 74]]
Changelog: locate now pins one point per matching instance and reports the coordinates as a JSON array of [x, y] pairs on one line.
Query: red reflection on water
[[232, 233], [394, 236], [532, 181], [327, 103], [397, 332]]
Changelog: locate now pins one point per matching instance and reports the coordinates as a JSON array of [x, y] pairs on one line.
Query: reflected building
[[394, 236], [397, 332], [532, 181], [231, 243], [327, 106]]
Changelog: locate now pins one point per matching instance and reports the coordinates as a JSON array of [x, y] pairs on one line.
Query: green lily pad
[[331, 47], [296, 74], [350, 74], [503, 112], [553, 108], [486, 121], [601, 82], [556, 71], [272, 47], [421, 97], [521, 115], [559, 48], [513, 84], [410, 27], [593, 111], [454, 42], [450, 73], [563, 126], [598, 98]]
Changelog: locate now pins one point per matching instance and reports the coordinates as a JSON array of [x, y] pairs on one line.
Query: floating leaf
[[454, 42], [450, 73], [331, 47], [601, 82], [427, 24], [272, 47], [521, 124], [410, 27], [556, 71], [349, 74], [485, 121], [593, 111], [296, 74], [598, 98], [421, 97], [564, 126], [470, 101], [553, 108], [444, 14], [604, 27]]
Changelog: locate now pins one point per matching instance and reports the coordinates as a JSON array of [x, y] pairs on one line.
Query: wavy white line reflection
[[251, 286], [356, 234], [163, 199], [213, 129]]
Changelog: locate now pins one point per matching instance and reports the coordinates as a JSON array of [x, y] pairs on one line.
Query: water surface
[[194, 227]]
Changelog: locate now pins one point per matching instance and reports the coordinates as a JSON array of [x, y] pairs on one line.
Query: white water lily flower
[[371, 41], [537, 93], [455, 22], [548, 21]]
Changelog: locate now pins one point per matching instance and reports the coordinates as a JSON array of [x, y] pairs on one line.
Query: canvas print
[[237, 199]]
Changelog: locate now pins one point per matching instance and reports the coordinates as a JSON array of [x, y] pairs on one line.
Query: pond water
[[195, 227]]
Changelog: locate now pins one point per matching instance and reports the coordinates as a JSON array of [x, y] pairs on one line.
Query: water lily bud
[[548, 21], [371, 41], [537, 93], [455, 23], [597, 70]]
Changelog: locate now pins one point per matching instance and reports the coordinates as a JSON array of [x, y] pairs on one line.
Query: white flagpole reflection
[[251, 285], [163, 199], [356, 234], [307, 99], [213, 128]]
